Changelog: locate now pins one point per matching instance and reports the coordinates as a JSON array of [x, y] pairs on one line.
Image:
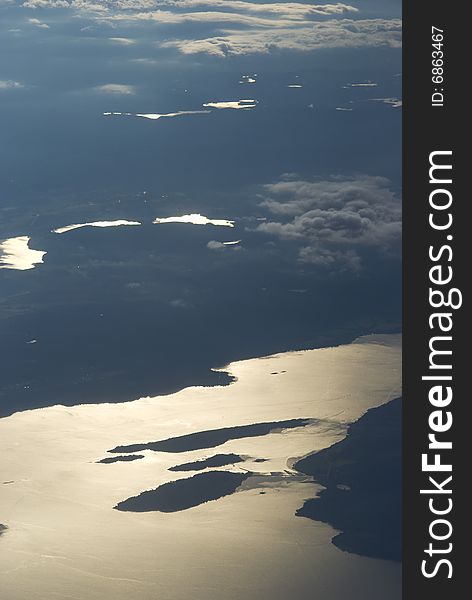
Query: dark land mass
[[363, 479], [123, 336], [185, 493], [214, 437], [113, 459], [219, 460], [3, 528], [121, 313], [106, 342]]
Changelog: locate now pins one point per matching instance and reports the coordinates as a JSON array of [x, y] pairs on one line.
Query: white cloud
[[138, 9], [46, 4], [38, 23], [215, 245], [116, 88], [179, 303], [10, 85], [216, 17], [333, 219], [336, 260], [86, 6], [260, 27], [344, 33], [122, 40], [286, 9], [233, 11]]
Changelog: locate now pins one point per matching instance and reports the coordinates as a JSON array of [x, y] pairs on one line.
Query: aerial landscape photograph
[[200, 300]]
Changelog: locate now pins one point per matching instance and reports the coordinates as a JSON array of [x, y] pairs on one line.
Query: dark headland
[[363, 481], [213, 437]]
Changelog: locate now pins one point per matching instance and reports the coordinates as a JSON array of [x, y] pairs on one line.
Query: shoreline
[[351, 472], [221, 373], [50, 456]]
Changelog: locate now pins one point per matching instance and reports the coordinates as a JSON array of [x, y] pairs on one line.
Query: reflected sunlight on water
[[194, 219], [117, 223], [15, 253]]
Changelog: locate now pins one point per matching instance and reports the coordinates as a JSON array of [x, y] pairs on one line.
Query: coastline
[[53, 456], [49, 393], [362, 482]]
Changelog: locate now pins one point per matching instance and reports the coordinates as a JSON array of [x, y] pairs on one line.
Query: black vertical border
[[427, 129]]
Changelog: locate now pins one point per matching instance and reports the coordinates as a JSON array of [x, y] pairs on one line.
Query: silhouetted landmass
[[114, 459], [363, 480], [214, 437], [3, 528], [219, 460], [185, 493]]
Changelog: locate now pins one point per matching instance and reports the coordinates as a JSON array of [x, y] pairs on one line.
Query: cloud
[[333, 219], [149, 9], [116, 88], [344, 33], [10, 85], [122, 40], [336, 260], [179, 303], [174, 18], [250, 27], [38, 23], [286, 9], [214, 245], [46, 4], [86, 6]]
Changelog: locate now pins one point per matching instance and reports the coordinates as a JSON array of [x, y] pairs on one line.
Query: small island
[[182, 494], [218, 460], [200, 440]]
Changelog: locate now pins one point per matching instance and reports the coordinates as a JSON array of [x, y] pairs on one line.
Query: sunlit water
[[65, 540], [15, 253], [194, 219], [117, 223]]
